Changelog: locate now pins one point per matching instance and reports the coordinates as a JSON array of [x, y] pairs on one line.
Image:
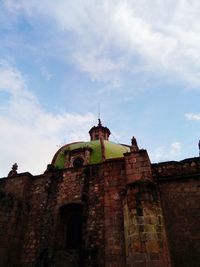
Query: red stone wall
[[138, 166], [39, 237], [145, 236], [179, 185], [114, 182], [181, 206], [86, 187], [14, 211], [93, 197], [112, 195]]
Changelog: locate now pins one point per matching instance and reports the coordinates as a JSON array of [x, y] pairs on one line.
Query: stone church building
[[102, 204]]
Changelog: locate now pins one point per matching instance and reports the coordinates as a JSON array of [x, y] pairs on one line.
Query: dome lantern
[[99, 132]]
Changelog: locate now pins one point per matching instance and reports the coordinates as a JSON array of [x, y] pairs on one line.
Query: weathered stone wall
[[137, 165], [176, 169], [38, 242], [93, 197], [145, 236], [114, 182], [117, 194], [31, 235], [179, 186], [85, 186], [14, 211]]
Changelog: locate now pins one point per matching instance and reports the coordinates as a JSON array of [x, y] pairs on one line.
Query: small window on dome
[[78, 162]]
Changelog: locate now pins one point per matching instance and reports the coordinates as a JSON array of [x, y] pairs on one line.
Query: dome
[[97, 150], [92, 152]]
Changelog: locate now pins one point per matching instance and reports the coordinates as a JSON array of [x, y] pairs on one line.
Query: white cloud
[[161, 37], [100, 69], [11, 80], [193, 116], [29, 134], [175, 149], [165, 153]]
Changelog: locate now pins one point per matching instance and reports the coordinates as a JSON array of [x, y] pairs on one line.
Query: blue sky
[[60, 59]]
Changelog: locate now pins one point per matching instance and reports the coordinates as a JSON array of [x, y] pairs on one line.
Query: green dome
[[112, 151]]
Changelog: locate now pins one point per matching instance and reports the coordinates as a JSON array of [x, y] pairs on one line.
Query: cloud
[[193, 116], [164, 153], [161, 38], [100, 69], [11, 80], [29, 134]]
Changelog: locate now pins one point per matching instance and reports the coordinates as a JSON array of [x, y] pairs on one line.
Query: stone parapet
[[176, 169]]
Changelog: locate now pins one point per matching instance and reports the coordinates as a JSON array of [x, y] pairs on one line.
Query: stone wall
[[179, 186], [14, 212], [125, 205], [138, 166], [39, 237], [31, 215], [114, 182], [145, 236]]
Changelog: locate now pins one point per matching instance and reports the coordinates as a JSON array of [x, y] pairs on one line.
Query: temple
[[102, 204]]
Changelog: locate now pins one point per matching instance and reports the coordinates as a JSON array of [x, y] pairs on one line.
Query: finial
[[99, 124], [99, 110], [13, 170], [134, 146]]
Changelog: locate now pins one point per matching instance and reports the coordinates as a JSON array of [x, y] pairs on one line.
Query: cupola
[[99, 132]]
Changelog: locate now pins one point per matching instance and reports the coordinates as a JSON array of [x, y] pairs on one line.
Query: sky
[[61, 62]]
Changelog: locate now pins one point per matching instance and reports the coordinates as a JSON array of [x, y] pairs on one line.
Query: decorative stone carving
[[71, 156], [13, 171], [134, 146]]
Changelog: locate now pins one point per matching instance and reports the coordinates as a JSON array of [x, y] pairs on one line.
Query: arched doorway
[[73, 227], [68, 251]]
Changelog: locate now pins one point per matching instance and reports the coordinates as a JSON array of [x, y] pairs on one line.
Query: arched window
[[71, 221], [78, 162]]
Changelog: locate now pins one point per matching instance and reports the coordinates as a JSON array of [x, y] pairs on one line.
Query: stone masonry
[[119, 212]]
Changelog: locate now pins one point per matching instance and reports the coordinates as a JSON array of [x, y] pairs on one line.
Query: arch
[[78, 162], [71, 226]]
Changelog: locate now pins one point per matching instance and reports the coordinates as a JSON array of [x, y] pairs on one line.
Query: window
[[78, 162]]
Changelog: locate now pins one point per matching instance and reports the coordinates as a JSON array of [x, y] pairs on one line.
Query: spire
[[99, 124], [99, 132]]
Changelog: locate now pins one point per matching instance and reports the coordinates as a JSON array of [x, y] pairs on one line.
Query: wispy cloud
[[100, 69], [193, 116], [161, 38], [164, 153], [29, 134]]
